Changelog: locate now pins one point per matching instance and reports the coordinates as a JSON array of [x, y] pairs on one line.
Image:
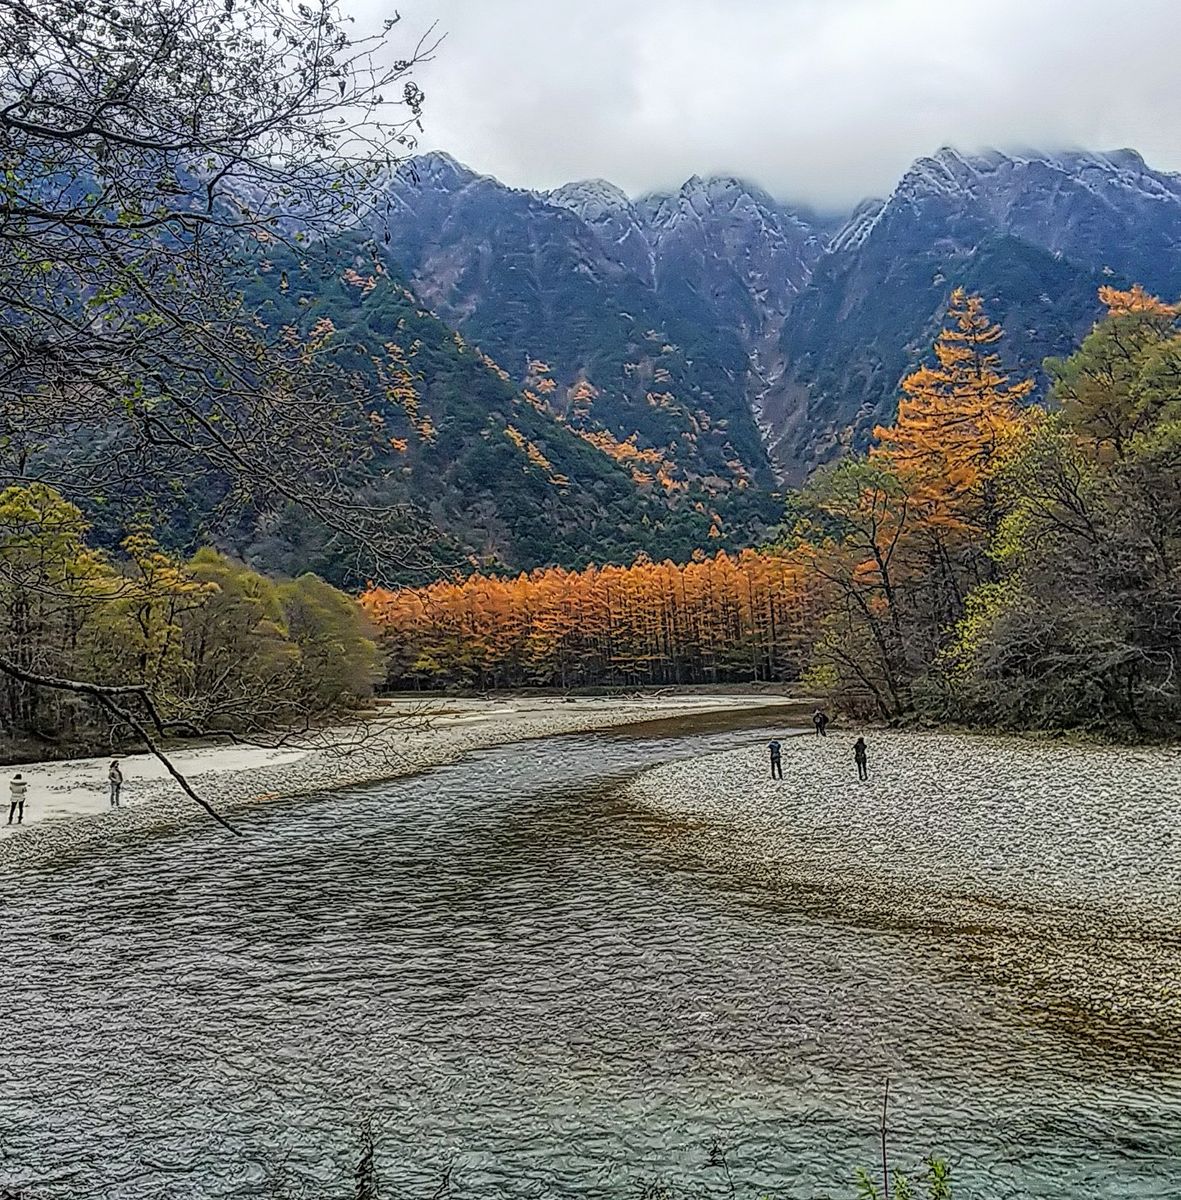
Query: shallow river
[[523, 979]]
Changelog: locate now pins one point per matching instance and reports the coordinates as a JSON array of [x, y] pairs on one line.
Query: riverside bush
[[217, 646]]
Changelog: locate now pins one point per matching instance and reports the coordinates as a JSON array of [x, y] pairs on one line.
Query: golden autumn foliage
[[581, 399], [903, 536], [353, 278], [645, 465], [397, 379], [956, 420], [539, 377], [493, 366], [873, 566], [1136, 300], [985, 557], [321, 332], [714, 619], [534, 456]]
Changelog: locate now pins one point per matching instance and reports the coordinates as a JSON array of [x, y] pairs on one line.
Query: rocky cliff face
[[1099, 210], [713, 243], [741, 335]]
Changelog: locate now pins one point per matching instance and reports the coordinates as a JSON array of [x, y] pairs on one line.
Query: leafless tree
[[152, 153]]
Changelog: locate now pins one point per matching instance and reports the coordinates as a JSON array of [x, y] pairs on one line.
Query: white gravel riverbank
[[1055, 866], [68, 811]]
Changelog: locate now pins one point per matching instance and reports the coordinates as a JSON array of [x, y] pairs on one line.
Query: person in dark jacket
[[820, 720], [776, 761], [860, 754]]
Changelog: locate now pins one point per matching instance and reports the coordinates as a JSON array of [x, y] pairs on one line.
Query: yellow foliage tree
[[956, 420], [1136, 300], [1126, 370]]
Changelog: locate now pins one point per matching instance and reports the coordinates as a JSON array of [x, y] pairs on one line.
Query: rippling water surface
[[513, 968]]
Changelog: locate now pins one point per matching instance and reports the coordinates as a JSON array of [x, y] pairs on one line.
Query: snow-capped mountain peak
[[591, 199]]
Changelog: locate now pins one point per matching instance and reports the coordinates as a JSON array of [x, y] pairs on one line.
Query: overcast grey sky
[[823, 101]]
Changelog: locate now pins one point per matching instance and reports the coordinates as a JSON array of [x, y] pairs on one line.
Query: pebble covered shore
[[1053, 868], [430, 736]]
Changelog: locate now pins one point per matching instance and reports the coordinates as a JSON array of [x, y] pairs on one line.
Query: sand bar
[[68, 807]]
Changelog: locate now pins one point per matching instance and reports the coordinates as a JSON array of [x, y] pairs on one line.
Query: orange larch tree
[[956, 421]]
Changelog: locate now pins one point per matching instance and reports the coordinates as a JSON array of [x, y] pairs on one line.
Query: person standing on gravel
[[820, 720], [18, 788], [776, 761], [861, 754], [115, 783]]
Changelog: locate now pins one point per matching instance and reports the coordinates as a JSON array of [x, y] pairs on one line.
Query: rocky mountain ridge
[[744, 336]]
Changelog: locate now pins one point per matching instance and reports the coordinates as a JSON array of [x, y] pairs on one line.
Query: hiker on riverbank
[[17, 790], [115, 783], [776, 761], [820, 720], [861, 755]]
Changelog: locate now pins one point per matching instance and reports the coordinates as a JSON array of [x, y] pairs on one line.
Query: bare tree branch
[[106, 698]]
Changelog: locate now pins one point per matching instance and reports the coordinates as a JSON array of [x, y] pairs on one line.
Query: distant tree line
[[989, 561], [711, 620], [216, 647]]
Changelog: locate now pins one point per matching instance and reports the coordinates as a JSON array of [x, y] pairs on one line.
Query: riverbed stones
[[1052, 868], [418, 738]]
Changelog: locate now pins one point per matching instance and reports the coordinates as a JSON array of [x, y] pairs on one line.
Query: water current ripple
[[527, 981]]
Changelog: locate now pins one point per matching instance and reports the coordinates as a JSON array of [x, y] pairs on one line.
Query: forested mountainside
[[1035, 235], [506, 478], [505, 482], [988, 560], [620, 300], [576, 377], [733, 333]]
